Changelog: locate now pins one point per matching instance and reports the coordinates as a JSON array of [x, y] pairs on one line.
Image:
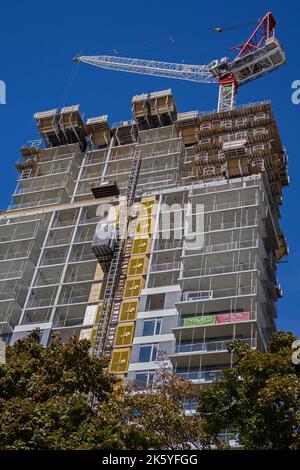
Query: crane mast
[[261, 54]]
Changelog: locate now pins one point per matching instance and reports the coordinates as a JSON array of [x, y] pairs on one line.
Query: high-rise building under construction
[[177, 291]]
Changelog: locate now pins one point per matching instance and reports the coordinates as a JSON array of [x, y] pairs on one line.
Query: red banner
[[232, 317]]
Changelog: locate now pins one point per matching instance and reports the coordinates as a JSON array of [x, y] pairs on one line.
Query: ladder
[[117, 273]]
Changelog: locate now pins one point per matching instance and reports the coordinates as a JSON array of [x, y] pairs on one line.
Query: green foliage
[[44, 395], [45, 401], [259, 398], [161, 416]]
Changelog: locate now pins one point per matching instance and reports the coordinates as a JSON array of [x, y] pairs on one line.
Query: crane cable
[[219, 29], [69, 84]]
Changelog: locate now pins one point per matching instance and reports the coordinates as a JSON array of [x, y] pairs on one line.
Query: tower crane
[[261, 54]]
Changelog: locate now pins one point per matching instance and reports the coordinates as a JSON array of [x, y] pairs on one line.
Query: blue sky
[[38, 41]]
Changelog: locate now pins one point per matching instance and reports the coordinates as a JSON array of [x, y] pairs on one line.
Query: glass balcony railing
[[165, 266], [203, 376], [194, 296], [217, 270], [210, 346]]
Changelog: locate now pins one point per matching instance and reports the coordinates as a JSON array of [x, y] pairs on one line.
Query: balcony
[[215, 270], [45, 170], [194, 296], [10, 313], [209, 347], [163, 245], [212, 354], [225, 247], [201, 376], [62, 197], [165, 267], [150, 136], [34, 187], [218, 300], [171, 149]]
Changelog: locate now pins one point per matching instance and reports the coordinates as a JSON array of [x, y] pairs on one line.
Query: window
[[152, 327], [155, 302], [6, 338], [148, 353], [143, 380]]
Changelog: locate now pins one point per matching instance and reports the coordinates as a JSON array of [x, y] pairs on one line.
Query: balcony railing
[[217, 270], [68, 322], [210, 346], [74, 299], [55, 260], [194, 296], [44, 187], [157, 135], [54, 169], [10, 294], [57, 241], [203, 376], [165, 266], [15, 255], [233, 318], [160, 245], [88, 277], [11, 275], [40, 202], [222, 247]]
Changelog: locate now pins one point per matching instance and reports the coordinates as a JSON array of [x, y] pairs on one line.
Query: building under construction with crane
[[133, 280]]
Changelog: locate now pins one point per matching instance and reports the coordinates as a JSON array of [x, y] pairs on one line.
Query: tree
[[45, 401], [45, 396], [158, 413], [259, 398]]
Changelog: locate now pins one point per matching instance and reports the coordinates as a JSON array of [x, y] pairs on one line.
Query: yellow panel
[[124, 334], [129, 310], [140, 245], [137, 265], [133, 287], [97, 319], [93, 336], [119, 360], [145, 225], [149, 199]]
